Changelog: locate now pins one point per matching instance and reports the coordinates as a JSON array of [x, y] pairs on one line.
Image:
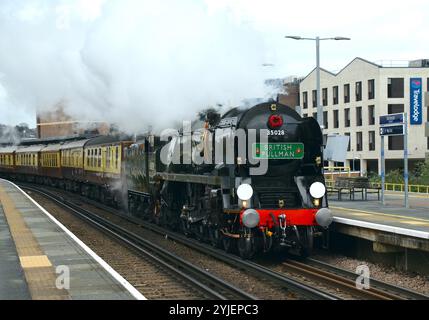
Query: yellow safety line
[[38, 269], [379, 214]]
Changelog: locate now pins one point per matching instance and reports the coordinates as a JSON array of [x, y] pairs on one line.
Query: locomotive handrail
[[192, 178]]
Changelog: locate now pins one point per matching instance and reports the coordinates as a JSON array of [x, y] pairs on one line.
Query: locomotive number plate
[[278, 151], [276, 132]]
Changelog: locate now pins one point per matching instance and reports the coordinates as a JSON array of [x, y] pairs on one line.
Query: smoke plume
[[131, 62]]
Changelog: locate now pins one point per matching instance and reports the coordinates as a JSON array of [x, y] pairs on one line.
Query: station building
[[353, 100], [56, 123]]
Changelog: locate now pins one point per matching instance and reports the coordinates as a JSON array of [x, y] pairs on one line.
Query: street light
[[318, 39]]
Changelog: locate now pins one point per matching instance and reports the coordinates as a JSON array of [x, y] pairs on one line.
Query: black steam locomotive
[[250, 180]]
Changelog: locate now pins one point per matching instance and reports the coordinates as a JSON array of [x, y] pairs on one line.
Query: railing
[[337, 170], [398, 187], [401, 187], [329, 183]]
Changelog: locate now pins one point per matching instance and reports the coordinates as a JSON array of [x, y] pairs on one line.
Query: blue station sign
[[398, 130], [416, 117], [396, 118]]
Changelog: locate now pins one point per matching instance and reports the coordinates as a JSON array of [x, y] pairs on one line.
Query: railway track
[[301, 290], [209, 285], [384, 289], [347, 284], [317, 271]]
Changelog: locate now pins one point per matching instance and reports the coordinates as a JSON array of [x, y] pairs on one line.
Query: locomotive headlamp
[[317, 190], [244, 204], [316, 202], [250, 218], [245, 192], [275, 121]]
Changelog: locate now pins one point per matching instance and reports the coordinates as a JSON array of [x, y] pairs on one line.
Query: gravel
[[248, 282], [409, 280]]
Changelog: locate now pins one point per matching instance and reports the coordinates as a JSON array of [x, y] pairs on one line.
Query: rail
[[213, 286]]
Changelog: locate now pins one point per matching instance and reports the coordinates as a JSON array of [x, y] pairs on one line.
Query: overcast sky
[[380, 30]]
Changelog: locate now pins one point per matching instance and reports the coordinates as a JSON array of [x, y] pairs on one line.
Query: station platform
[[390, 224], [42, 260]]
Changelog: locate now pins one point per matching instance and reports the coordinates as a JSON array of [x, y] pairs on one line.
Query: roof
[[74, 144], [37, 148], [106, 140], [56, 139], [339, 72], [52, 148], [9, 149]]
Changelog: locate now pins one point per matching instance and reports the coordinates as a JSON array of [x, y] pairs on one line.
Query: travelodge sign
[[416, 117]]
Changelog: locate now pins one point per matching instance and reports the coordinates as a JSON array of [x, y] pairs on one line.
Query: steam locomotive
[[230, 200], [249, 181]]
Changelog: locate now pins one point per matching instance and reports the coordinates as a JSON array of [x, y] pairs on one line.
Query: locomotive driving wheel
[[215, 237], [246, 247], [229, 244]]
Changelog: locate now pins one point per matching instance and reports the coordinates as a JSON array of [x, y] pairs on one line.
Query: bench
[[352, 186]]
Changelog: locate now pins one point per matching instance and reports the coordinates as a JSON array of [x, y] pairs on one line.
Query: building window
[[336, 119], [359, 91], [371, 115], [305, 99], [305, 115], [325, 119], [315, 115], [427, 84], [395, 87], [359, 116], [358, 141], [350, 141], [325, 97], [371, 141], [396, 143], [314, 96], [346, 93], [347, 117], [335, 94], [395, 108], [371, 89]]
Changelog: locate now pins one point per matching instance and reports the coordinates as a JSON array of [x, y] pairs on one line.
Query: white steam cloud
[[132, 62]]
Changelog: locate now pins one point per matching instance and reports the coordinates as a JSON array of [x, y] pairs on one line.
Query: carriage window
[[117, 157], [108, 157]]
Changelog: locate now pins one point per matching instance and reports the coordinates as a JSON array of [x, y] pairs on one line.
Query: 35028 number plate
[[278, 151], [276, 132]]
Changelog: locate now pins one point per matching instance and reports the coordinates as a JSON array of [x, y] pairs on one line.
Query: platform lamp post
[[318, 39]]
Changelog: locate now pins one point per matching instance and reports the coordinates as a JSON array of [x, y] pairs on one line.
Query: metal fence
[[401, 187]]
